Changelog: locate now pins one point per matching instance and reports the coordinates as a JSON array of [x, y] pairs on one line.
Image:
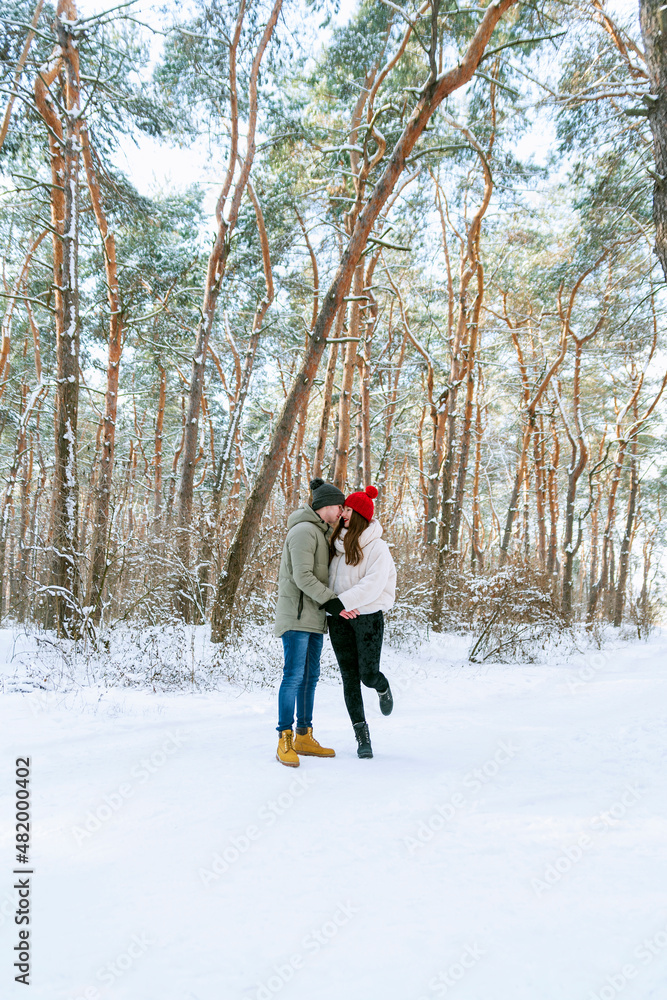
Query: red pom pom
[[371, 491]]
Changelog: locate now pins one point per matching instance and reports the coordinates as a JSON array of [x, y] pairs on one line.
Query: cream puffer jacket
[[370, 586]]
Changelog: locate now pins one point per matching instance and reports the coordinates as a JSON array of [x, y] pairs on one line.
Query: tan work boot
[[285, 752], [306, 744]]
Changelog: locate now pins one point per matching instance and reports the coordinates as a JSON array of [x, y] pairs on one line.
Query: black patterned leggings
[[357, 643]]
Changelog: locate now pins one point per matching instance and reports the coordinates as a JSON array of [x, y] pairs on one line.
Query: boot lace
[[287, 741], [362, 734]]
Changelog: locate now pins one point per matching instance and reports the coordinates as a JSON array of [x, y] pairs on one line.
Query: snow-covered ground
[[507, 842]]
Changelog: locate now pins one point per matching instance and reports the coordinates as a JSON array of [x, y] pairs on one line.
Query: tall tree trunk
[[327, 392], [159, 427], [365, 395], [26, 483], [531, 404], [214, 276], [471, 268], [463, 350], [653, 21], [105, 476], [439, 409], [390, 419], [298, 454], [466, 430], [6, 325], [432, 95], [513, 505], [477, 540], [594, 536], [233, 431], [439, 426], [610, 593], [569, 547], [18, 73], [62, 606], [601, 583], [349, 368], [623, 438], [539, 449], [577, 465], [626, 543], [20, 456]]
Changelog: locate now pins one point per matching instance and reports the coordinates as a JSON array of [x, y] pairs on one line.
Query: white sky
[[152, 165]]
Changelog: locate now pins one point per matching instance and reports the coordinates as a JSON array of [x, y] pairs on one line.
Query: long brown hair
[[353, 553]]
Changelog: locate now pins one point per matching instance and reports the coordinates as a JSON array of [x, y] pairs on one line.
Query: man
[[303, 590]]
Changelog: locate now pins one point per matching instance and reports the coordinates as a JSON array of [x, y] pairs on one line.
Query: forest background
[[434, 261]]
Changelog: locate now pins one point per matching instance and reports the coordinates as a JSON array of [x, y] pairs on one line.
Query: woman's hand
[[349, 614]]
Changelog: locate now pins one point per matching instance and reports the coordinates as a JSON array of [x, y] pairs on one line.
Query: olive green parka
[[303, 581]]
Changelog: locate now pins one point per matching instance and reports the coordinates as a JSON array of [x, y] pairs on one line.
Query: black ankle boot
[[386, 701], [363, 739]]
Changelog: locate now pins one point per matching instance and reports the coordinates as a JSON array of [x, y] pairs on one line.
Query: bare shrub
[[250, 658], [644, 615], [141, 655], [407, 624], [514, 617]]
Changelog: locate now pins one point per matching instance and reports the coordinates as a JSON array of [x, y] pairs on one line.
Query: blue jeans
[[300, 676]]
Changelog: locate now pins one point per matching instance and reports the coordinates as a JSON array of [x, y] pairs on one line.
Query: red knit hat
[[363, 502]]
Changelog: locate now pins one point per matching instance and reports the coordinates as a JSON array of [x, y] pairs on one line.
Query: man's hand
[[349, 614]]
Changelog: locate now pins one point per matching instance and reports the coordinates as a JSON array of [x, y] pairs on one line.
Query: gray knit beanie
[[324, 494]]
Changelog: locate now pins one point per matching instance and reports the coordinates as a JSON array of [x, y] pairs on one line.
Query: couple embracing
[[335, 570]]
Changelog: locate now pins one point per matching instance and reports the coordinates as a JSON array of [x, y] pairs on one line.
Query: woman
[[363, 576]]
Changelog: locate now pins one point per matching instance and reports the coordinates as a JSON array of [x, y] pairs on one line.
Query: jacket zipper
[[300, 609]]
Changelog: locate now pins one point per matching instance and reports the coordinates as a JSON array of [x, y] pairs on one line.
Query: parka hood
[[369, 534], [306, 514]]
